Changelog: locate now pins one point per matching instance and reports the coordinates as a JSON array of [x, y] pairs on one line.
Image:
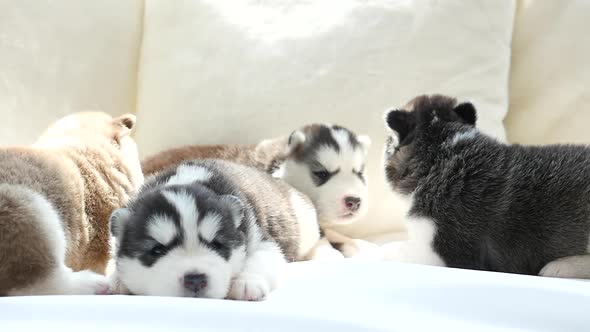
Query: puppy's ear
[[124, 124], [365, 142], [401, 123], [237, 207], [467, 113], [118, 217], [295, 141]]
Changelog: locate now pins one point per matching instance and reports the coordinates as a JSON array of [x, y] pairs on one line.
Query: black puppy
[[477, 203]]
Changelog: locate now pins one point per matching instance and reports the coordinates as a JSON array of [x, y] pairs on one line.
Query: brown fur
[[264, 156], [83, 166]]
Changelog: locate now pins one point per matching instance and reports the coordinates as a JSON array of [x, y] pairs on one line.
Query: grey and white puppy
[[477, 203], [213, 229]]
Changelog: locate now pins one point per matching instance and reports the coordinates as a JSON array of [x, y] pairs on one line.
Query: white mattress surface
[[350, 295]]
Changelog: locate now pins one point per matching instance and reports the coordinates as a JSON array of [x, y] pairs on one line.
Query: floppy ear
[[118, 217], [467, 113], [296, 140], [237, 207], [401, 123], [365, 142], [124, 124]]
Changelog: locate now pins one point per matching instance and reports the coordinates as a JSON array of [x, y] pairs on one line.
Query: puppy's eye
[[217, 245], [322, 175], [157, 250], [359, 172]]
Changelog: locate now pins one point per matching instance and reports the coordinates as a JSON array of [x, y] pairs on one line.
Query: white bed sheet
[[350, 295]]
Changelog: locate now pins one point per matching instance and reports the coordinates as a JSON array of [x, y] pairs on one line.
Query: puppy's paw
[[117, 286], [326, 253], [568, 267], [361, 249], [89, 283], [248, 287]]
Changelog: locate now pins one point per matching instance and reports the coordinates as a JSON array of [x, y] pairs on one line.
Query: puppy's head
[[91, 125], [102, 131], [327, 163], [183, 240], [418, 130]]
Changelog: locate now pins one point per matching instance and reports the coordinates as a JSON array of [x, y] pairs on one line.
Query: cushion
[[58, 57], [239, 71], [549, 94]]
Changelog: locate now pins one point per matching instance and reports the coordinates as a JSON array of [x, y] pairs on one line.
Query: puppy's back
[[276, 204], [32, 185], [262, 156]]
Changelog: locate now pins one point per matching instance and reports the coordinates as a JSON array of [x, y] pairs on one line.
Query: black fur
[[496, 207]]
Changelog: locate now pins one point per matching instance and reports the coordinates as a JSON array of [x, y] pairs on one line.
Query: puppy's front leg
[[260, 273], [356, 248], [116, 285], [324, 250], [418, 247]]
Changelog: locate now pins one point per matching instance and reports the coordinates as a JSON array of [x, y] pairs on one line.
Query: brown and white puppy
[[262, 156], [56, 198]]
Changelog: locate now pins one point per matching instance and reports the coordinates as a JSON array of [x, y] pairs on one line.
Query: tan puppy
[[264, 156], [56, 198]]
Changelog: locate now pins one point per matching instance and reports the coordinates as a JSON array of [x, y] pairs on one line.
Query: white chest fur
[[418, 246]]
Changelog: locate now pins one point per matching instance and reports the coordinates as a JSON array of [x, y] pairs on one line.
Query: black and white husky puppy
[[480, 204], [213, 229]]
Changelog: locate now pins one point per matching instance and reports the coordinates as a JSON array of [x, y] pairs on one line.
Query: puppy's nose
[[195, 282], [352, 203]]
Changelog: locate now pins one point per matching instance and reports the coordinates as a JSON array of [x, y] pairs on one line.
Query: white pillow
[[58, 57], [550, 78], [238, 71]]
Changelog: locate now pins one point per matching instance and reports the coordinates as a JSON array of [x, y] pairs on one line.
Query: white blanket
[[337, 296]]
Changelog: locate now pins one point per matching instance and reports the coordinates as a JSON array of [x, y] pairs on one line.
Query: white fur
[[62, 281], [418, 247], [577, 267], [260, 274], [341, 136], [361, 249], [186, 174], [209, 226], [295, 140], [323, 250], [365, 141], [186, 206], [354, 248], [307, 222], [162, 229]]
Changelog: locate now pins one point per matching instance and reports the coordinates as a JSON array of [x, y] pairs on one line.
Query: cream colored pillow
[[237, 71], [58, 57], [550, 78]]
